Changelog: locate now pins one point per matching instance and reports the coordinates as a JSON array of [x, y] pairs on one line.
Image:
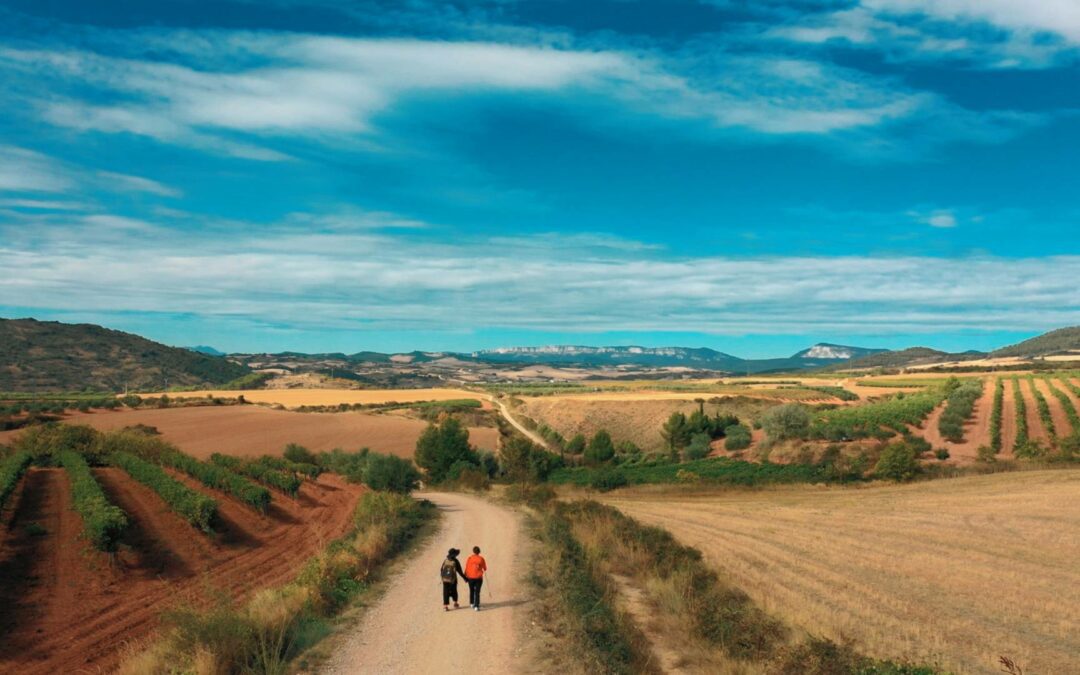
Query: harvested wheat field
[[635, 420], [294, 398], [66, 608], [957, 572], [250, 430]]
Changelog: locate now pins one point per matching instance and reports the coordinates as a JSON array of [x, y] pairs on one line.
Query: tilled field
[[65, 607], [249, 430], [957, 572]]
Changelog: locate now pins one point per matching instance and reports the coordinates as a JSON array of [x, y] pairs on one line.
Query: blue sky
[[749, 176]]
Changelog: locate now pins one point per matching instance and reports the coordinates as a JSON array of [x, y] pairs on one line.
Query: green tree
[[441, 445], [787, 421], [387, 472], [898, 462], [698, 447], [576, 446], [676, 432], [600, 449], [516, 459]]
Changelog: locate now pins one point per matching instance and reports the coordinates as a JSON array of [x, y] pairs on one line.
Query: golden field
[[294, 398], [956, 572]]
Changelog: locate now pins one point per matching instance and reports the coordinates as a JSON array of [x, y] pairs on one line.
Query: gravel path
[[408, 631]]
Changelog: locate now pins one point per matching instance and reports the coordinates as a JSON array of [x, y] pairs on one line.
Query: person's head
[[476, 550], [452, 553]]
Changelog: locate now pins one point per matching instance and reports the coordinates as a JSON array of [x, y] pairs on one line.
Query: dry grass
[[294, 398], [956, 571], [639, 421]]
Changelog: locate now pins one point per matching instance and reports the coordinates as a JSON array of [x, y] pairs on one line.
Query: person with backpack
[[449, 572], [475, 567]]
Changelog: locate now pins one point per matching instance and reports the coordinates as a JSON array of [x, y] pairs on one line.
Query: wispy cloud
[[395, 280], [24, 170], [234, 93]]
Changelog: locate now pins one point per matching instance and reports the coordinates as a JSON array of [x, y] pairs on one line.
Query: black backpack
[[448, 571]]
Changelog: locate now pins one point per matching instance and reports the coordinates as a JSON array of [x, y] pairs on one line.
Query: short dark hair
[[475, 549]]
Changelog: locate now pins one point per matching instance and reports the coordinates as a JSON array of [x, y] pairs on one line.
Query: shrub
[[11, 471], [1029, 449], [1043, 408], [600, 449], [195, 507], [698, 447], [299, 454], [102, 521], [959, 406], [608, 479], [576, 446], [286, 481], [898, 462], [995, 415], [45, 440], [942, 454], [986, 454], [737, 437], [387, 472], [787, 421], [1021, 417], [219, 478]]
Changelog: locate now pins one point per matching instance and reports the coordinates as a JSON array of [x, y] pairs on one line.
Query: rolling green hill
[[53, 356], [1054, 342]]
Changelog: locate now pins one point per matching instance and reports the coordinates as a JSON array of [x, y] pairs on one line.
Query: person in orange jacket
[[475, 567]]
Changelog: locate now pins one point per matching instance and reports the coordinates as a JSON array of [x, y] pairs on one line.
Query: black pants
[[449, 592], [474, 591]]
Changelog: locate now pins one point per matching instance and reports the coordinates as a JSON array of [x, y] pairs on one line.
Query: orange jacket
[[475, 567]]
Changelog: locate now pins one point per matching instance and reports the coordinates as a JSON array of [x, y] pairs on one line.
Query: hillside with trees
[[1054, 342], [52, 356]]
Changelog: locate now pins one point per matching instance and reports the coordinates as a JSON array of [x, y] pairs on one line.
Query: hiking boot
[[476, 607]]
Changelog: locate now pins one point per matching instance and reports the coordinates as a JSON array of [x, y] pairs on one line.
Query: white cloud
[[1061, 17], [23, 170], [293, 275]]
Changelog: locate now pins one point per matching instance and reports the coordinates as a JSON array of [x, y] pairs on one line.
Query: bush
[[600, 449], [219, 478], [608, 479], [286, 481], [698, 447], [986, 454], [737, 437], [942, 454], [394, 474], [995, 415], [898, 462], [11, 471], [576, 446], [300, 454], [958, 407], [787, 421], [102, 521], [195, 507], [1029, 449]]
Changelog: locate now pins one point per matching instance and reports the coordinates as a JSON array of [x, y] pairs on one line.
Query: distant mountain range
[[700, 358], [52, 356]]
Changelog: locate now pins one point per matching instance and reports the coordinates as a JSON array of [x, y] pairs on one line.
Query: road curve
[[505, 412], [407, 631]]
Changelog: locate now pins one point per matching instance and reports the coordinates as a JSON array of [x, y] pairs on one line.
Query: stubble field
[[957, 572]]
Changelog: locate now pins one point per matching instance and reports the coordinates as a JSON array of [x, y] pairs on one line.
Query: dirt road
[[505, 412], [408, 631]]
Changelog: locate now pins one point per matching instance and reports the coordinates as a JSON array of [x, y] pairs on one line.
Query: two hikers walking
[[473, 574]]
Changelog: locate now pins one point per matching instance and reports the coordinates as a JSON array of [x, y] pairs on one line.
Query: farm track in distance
[[65, 607]]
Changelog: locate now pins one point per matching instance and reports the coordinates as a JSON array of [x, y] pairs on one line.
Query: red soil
[[1008, 420], [976, 428], [1036, 431], [251, 430], [67, 608]]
